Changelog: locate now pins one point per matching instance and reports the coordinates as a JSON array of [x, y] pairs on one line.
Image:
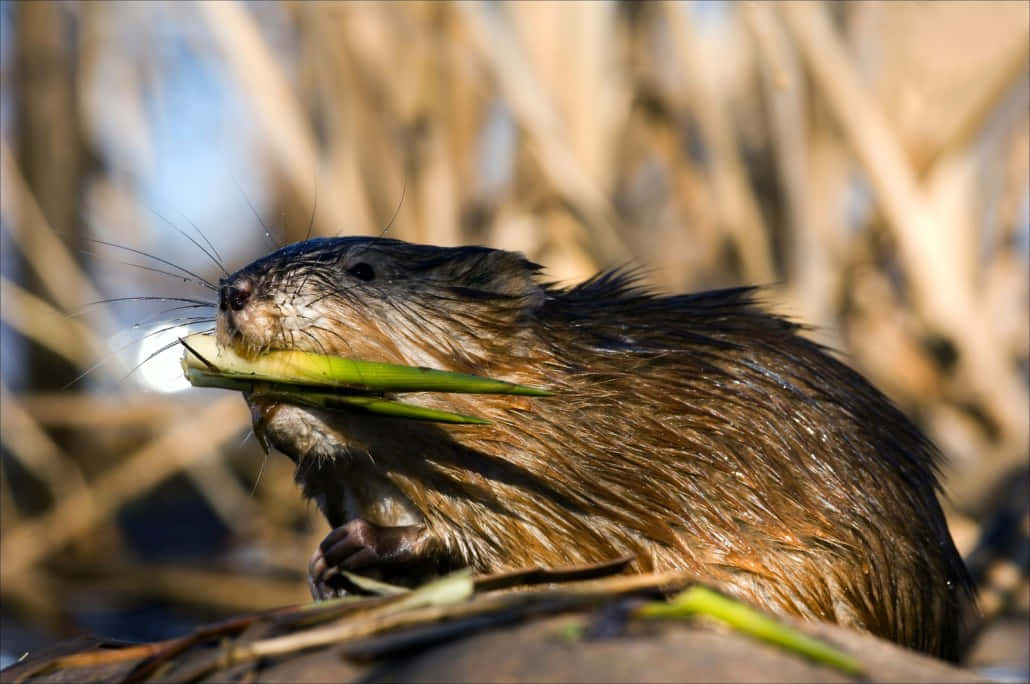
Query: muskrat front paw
[[359, 546]]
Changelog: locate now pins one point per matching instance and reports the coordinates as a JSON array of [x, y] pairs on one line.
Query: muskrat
[[694, 432]]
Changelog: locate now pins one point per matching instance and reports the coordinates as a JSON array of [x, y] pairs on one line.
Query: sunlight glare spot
[[163, 372]]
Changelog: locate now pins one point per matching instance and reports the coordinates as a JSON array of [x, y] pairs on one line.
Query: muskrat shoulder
[[694, 432]]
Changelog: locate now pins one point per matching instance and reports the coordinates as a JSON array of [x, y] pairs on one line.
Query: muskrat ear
[[479, 271]]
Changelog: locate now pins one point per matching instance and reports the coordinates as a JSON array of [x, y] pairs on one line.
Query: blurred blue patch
[[710, 14], [172, 523]]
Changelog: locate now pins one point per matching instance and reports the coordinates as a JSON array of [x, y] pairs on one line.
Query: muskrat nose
[[234, 296]]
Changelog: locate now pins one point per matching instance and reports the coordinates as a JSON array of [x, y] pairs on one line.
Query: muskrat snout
[[240, 322], [235, 295]]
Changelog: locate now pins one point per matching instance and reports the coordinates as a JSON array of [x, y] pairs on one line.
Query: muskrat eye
[[362, 271]]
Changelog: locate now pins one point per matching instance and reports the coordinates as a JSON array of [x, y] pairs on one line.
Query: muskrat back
[[694, 432]]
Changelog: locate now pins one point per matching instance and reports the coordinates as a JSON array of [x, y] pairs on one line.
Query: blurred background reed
[[867, 161]]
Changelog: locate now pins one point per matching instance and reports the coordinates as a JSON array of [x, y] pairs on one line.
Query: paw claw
[[359, 546]]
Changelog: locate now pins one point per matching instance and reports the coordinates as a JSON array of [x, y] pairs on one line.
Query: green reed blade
[[317, 398], [203, 378], [303, 368], [384, 407]]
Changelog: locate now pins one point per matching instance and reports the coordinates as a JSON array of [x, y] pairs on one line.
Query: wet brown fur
[[694, 431]]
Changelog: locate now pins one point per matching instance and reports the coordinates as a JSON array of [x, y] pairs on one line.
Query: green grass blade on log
[[304, 368], [700, 600]]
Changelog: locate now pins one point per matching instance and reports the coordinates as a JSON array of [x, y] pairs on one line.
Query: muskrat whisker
[[196, 244], [249, 346], [261, 470], [334, 333], [283, 331], [112, 300], [218, 257], [268, 234], [396, 210], [191, 320], [158, 315], [114, 352], [314, 206], [155, 258], [89, 370], [163, 348], [320, 298], [293, 338], [181, 320], [389, 224], [300, 287], [210, 366], [308, 273], [177, 276], [318, 342]]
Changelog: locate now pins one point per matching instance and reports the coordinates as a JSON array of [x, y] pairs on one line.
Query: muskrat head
[[378, 299]]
